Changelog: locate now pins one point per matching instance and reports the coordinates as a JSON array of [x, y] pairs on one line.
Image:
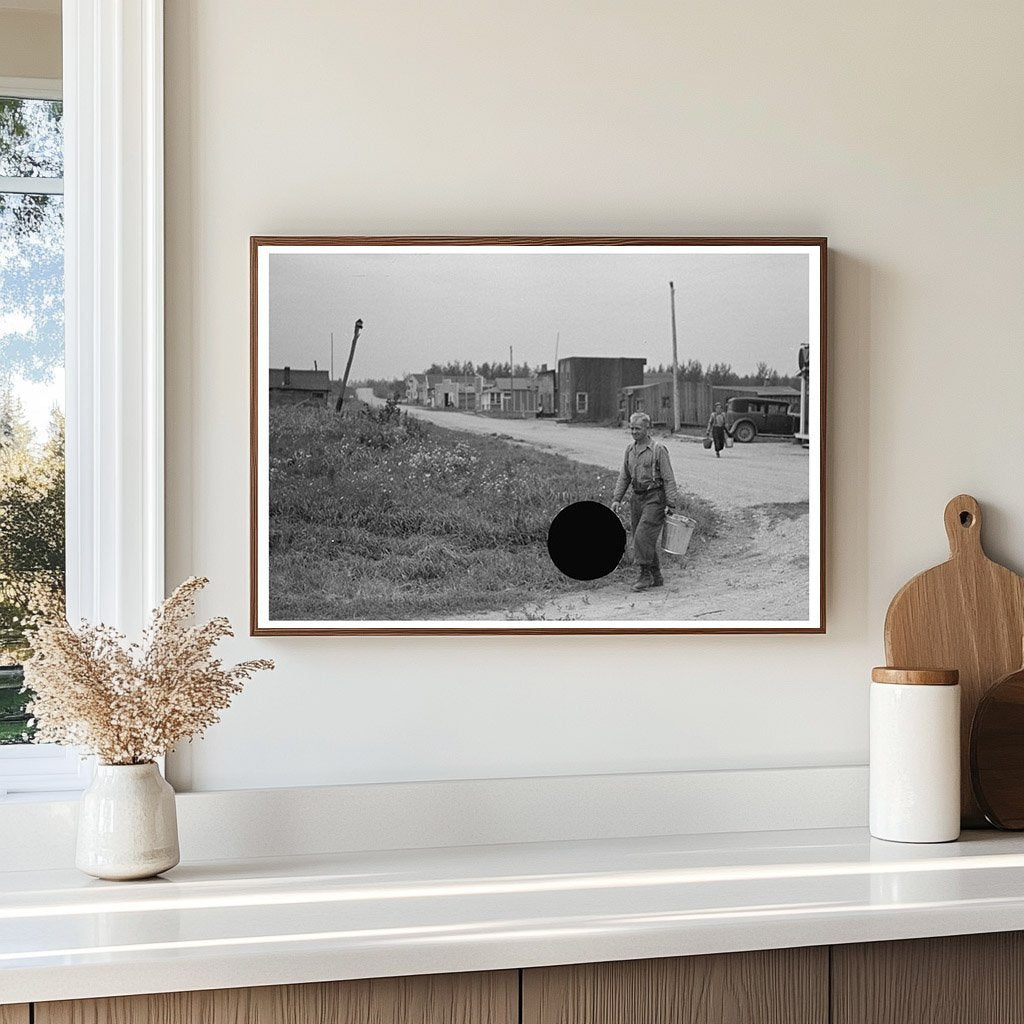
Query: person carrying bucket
[[716, 429], [647, 468]]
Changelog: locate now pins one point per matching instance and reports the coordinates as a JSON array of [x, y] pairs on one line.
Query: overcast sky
[[418, 309]]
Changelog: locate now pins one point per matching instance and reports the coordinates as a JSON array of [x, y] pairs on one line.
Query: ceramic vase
[[127, 825]]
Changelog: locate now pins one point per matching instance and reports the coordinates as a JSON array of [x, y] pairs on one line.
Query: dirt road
[[746, 475], [724, 579]]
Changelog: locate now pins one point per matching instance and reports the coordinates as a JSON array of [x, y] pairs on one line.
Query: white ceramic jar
[[127, 823], [915, 755]]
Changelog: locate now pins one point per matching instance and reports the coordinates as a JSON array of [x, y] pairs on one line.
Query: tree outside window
[[31, 386]]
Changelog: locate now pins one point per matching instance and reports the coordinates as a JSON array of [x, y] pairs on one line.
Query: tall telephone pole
[[512, 381], [675, 362], [332, 355]]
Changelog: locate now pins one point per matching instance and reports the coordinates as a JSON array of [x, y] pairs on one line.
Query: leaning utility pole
[[348, 366], [675, 362]]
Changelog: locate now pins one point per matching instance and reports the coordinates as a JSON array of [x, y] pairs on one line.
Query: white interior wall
[[894, 129]]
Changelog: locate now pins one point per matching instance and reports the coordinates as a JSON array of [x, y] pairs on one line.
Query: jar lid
[[916, 676]]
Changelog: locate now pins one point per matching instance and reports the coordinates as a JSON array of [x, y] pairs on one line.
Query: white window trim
[[32, 88], [113, 167]]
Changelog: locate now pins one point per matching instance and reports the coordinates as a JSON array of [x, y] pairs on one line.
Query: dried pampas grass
[[130, 703]]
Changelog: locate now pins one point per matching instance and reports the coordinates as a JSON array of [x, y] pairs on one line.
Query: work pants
[[647, 517]]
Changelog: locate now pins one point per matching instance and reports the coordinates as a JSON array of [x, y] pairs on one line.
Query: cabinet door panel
[[14, 1014], [777, 986], [483, 998], [960, 979]]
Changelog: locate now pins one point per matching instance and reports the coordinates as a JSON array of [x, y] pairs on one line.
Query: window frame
[[114, 345], [585, 407]]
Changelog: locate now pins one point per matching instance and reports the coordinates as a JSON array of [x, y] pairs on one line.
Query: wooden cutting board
[[967, 614]]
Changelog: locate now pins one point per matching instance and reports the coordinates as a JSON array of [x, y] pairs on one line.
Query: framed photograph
[[537, 435]]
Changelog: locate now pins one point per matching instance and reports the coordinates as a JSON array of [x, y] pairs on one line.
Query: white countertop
[[224, 924]]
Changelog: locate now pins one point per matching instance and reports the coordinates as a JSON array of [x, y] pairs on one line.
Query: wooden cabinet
[[966, 979], [962, 979], [491, 998], [776, 986]]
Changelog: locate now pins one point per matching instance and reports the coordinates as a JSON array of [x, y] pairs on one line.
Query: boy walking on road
[[647, 468]]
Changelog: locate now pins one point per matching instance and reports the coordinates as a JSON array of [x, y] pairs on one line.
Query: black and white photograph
[[537, 435]]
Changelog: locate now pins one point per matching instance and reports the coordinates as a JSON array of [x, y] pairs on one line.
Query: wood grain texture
[[967, 614], [480, 998], [915, 676], [776, 986], [961, 979], [997, 752], [14, 1014]]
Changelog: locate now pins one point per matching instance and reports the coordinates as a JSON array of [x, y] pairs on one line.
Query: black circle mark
[[586, 540]]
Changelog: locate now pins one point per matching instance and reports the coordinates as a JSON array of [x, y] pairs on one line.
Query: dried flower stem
[[130, 703]]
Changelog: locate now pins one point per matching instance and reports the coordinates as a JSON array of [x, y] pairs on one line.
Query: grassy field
[[379, 516]]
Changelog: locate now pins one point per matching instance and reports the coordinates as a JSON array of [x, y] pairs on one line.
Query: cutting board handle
[[963, 526]]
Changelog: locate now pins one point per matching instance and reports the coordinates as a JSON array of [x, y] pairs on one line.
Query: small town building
[[288, 386], [547, 391], [653, 398], [456, 393], [696, 399], [419, 386], [443, 391], [511, 396], [589, 387]]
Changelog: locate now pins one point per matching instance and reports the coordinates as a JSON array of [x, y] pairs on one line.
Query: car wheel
[[744, 432]]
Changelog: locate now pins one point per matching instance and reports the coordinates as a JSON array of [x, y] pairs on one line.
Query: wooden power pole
[[348, 366], [675, 362]]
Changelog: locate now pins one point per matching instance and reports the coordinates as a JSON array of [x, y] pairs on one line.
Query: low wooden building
[[461, 393], [508, 396], [293, 387], [696, 399], [547, 391], [589, 387]]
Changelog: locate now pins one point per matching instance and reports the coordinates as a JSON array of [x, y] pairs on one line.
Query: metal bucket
[[675, 538]]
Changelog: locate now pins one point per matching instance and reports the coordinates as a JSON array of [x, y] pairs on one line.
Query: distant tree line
[[723, 373], [383, 387], [486, 370]]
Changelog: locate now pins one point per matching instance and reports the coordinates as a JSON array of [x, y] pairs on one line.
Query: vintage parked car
[[745, 418]]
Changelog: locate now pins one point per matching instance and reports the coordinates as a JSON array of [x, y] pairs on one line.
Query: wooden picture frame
[[420, 506]]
